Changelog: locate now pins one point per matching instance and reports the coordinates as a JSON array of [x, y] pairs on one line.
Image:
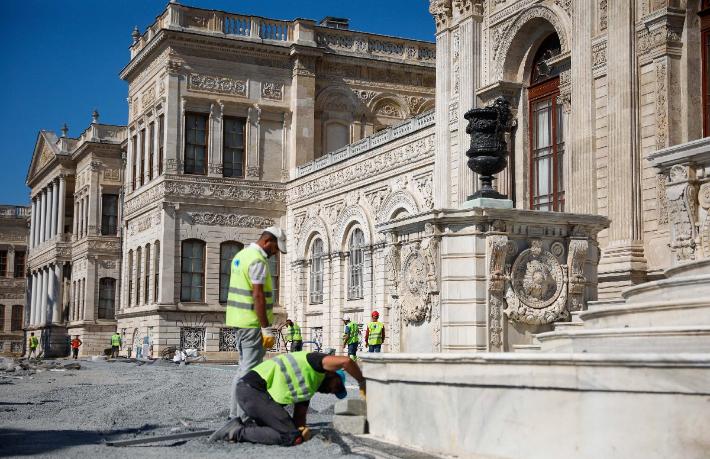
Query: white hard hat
[[280, 236], [346, 318]]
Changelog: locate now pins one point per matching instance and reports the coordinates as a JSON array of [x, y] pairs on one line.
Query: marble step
[[693, 268], [557, 326], [591, 305], [649, 314], [660, 340], [526, 348], [676, 288]]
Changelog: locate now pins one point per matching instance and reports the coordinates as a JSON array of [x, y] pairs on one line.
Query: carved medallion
[[414, 295]]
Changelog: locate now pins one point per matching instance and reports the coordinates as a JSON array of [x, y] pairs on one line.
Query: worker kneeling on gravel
[[265, 391]]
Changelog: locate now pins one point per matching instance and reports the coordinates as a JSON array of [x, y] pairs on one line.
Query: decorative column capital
[[441, 11]]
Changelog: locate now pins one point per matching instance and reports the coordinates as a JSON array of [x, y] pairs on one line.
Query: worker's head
[[334, 383], [375, 315], [346, 319], [32, 333], [273, 240], [289, 322], [76, 337]]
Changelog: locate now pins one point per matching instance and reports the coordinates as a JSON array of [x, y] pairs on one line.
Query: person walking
[[375, 333], [250, 303], [75, 344], [116, 343], [351, 337], [293, 335], [34, 344], [286, 379]]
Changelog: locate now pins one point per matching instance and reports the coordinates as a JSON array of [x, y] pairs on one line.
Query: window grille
[[356, 264], [316, 287]]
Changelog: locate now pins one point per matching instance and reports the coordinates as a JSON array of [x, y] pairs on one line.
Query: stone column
[[51, 294], [93, 215], [33, 217], [85, 217], [442, 163], [623, 261], [214, 161], [10, 270], [33, 299], [253, 136], [57, 306], [53, 215], [62, 199], [42, 210], [166, 294], [44, 298], [303, 89], [75, 221], [90, 289]]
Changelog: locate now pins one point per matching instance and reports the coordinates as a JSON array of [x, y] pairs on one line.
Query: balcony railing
[[14, 212]]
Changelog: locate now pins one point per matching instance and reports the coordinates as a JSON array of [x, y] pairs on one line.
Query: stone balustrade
[[18, 212], [684, 198]]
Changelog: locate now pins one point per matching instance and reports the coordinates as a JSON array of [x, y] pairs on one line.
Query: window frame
[[225, 268], [17, 319], [161, 146], [356, 265], [201, 274], [135, 161], [141, 137], [146, 275], [102, 299], [225, 147], [130, 277], [151, 149], [19, 268], [106, 225], [3, 262], [139, 274], [188, 168], [315, 285]]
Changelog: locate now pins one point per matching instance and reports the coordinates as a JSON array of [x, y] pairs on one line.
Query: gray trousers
[[251, 354], [269, 423]]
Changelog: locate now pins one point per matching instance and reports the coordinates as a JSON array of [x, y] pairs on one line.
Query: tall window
[[547, 144], [356, 263], [2, 318], [20, 263], [139, 274], [196, 143], [130, 277], [227, 251], [142, 171], [316, 287], [151, 149], [156, 270], [161, 136], [109, 214], [3, 263], [16, 318], [705, 54], [193, 271], [135, 162], [233, 161], [146, 280], [275, 270], [107, 298]]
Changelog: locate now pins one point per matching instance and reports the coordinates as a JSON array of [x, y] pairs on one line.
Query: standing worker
[[75, 343], [351, 337], [286, 379], [294, 336], [375, 333], [115, 344], [34, 344], [250, 304]]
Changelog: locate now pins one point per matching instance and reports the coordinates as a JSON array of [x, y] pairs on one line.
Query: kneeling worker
[[287, 379]]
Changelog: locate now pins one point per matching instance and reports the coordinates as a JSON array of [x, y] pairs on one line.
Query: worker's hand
[[267, 337], [363, 389]]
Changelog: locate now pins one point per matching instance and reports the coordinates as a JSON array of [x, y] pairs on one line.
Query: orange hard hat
[[375, 314]]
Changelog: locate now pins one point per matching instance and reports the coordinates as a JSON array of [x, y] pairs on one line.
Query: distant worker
[[75, 344], [265, 391], [293, 336], [34, 344], [351, 337], [115, 344], [250, 304], [375, 333]]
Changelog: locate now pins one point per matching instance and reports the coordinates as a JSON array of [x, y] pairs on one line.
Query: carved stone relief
[[272, 90], [218, 219], [217, 84], [682, 197]]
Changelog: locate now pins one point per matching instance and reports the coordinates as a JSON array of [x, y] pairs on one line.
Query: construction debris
[[350, 416]]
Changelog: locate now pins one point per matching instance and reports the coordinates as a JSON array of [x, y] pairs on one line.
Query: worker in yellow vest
[[287, 379], [250, 304], [293, 336], [34, 344], [115, 344], [375, 333], [351, 337]]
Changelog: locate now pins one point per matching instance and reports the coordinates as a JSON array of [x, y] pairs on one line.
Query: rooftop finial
[[95, 117], [136, 34], [65, 130]]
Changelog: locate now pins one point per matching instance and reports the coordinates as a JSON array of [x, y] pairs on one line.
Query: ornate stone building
[[13, 258]]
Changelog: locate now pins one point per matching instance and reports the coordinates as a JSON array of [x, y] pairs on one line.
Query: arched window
[[156, 271], [130, 278], [337, 135], [316, 277], [227, 251], [107, 298], [356, 264], [16, 318], [193, 271], [139, 274], [146, 276], [547, 145]]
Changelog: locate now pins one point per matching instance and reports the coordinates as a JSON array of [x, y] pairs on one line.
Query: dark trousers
[[296, 346], [269, 423], [375, 348], [114, 352], [352, 349], [75, 352]]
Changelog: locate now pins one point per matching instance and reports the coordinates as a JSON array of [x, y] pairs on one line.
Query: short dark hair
[[267, 236]]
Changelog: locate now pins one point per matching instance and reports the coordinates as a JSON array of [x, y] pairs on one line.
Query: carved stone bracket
[[576, 257], [682, 193], [497, 250]]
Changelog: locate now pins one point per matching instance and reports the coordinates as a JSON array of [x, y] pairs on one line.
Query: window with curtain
[[109, 214], [196, 143], [107, 298], [316, 281], [547, 146], [16, 319], [227, 251], [139, 274], [151, 149], [193, 271], [233, 148], [356, 264], [146, 280], [20, 263]]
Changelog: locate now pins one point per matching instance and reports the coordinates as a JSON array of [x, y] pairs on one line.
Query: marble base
[[488, 203]]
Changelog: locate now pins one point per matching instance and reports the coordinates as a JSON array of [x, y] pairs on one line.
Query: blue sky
[[61, 59]]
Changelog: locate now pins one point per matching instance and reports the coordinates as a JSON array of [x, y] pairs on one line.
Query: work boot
[[229, 431], [305, 433]]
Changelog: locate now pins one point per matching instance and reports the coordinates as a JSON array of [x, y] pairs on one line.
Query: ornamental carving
[[603, 15], [243, 221], [224, 191], [599, 56], [682, 211], [661, 105], [441, 11], [537, 290], [576, 258], [704, 201], [46, 154], [392, 268], [148, 98], [217, 85], [662, 199], [272, 90], [112, 175], [413, 291], [497, 249]]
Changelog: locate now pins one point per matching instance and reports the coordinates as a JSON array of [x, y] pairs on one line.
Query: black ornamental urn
[[487, 156]]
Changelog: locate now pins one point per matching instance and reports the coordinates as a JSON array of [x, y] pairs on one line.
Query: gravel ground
[[72, 413]]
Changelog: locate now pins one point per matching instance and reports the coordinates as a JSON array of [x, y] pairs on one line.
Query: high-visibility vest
[[34, 342], [294, 333], [240, 300], [374, 335], [290, 378], [115, 340], [352, 333]]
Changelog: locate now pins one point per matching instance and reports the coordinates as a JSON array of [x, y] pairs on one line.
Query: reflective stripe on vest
[[374, 336], [115, 340], [34, 342], [352, 333], [240, 298], [294, 333], [290, 378]]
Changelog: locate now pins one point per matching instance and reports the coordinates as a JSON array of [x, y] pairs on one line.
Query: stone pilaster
[[53, 214], [303, 92], [62, 200], [42, 215], [44, 298], [33, 216], [253, 134], [441, 11], [57, 305], [167, 255]]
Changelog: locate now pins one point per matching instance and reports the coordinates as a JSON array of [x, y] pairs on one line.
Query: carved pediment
[[43, 153]]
